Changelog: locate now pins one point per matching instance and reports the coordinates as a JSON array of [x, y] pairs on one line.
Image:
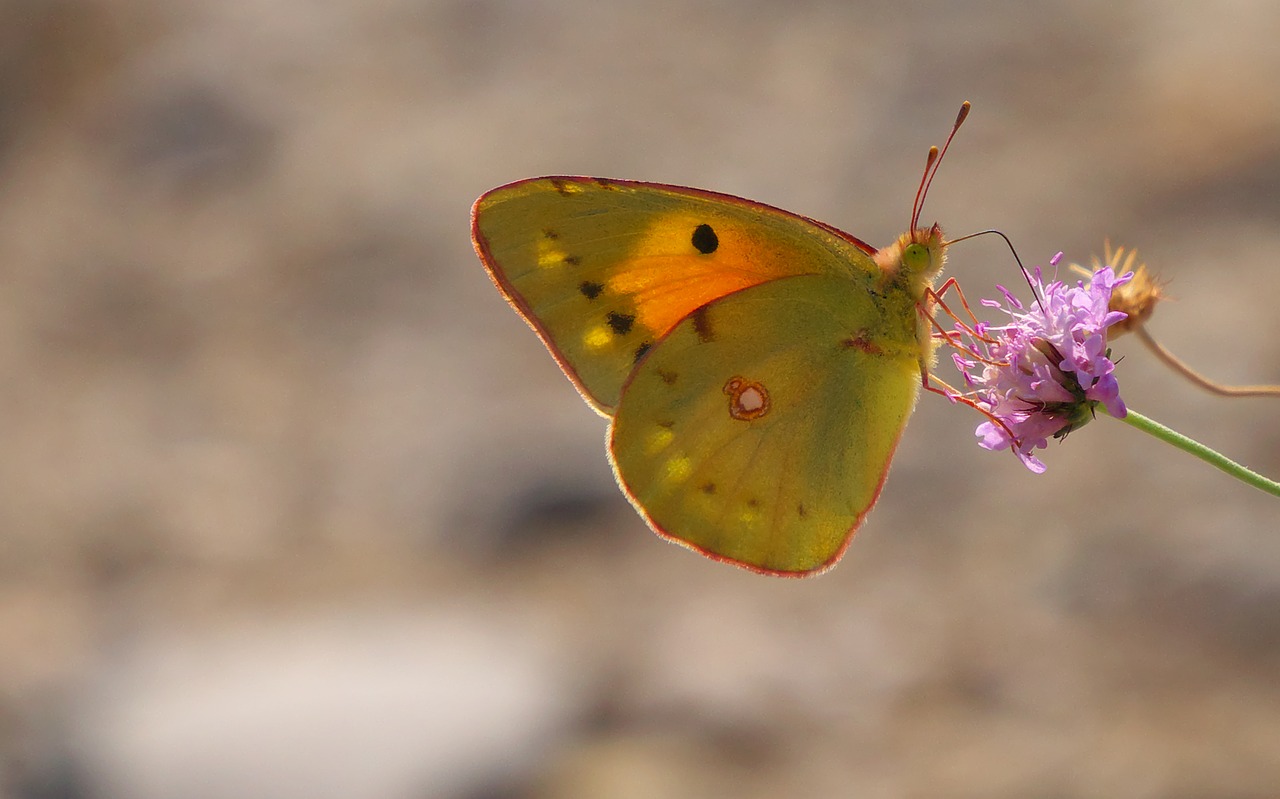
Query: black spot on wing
[[641, 350], [550, 233], [707, 488], [702, 325], [572, 260], [705, 239], [621, 322], [590, 290]]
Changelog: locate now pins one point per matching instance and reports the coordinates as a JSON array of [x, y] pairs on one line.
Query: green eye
[[915, 257]]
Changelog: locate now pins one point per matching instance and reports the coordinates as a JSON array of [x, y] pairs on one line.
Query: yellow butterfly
[[758, 366]]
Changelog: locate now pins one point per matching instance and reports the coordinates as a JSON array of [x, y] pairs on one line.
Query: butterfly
[[758, 366]]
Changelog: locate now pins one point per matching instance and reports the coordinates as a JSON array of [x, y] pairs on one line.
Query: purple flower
[[1044, 372]]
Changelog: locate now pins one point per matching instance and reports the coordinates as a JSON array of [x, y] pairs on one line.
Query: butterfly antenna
[[918, 205], [931, 167], [1025, 275]]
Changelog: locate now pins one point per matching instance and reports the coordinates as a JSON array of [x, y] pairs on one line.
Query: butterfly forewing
[[603, 269]]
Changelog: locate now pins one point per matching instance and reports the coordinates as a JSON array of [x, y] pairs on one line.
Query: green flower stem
[[1202, 452]]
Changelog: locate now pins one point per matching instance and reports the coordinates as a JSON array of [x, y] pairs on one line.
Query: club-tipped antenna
[[1025, 274], [931, 166], [924, 180]]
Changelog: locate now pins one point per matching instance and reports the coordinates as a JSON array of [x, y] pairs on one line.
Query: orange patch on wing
[[662, 302], [668, 278]]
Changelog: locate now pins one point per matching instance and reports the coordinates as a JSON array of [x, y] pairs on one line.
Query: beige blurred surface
[[292, 504]]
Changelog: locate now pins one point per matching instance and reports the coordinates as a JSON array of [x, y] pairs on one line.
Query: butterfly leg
[[947, 285], [937, 386], [952, 337], [932, 383], [935, 297]]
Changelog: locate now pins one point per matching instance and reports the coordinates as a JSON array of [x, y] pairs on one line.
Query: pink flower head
[[1044, 372]]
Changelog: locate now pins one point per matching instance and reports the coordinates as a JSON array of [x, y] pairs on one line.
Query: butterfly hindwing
[[759, 430], [603, 269]]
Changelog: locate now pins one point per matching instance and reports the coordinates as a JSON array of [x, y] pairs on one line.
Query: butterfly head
[[915, 259]]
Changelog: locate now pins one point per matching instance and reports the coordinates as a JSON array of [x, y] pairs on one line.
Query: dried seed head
[[1137, 299]]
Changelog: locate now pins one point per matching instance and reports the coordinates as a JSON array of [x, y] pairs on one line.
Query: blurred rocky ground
[[292, 505]]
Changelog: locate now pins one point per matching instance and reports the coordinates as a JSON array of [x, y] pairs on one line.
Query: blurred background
[[293, 505]]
